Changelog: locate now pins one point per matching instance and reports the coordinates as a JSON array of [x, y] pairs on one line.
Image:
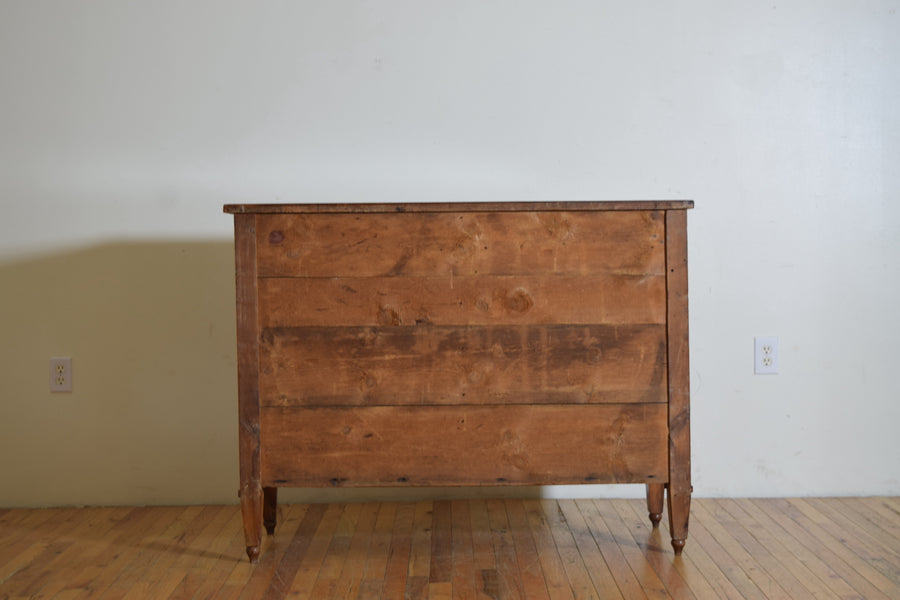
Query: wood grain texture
[[460, 244], [512, 548], [532, 576], [489, 300], [464, 344], [548, 555], [318, 366], [679, 485], [655, 501], [501, 445], [585, 568], [248, 379]]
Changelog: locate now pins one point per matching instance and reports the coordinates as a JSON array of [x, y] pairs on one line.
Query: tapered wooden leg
[[251, 514], [270, 507], [251, 511], [679, 512], [655, 499]]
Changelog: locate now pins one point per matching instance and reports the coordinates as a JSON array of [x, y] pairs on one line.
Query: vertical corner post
[[248, 380], [679, 485]]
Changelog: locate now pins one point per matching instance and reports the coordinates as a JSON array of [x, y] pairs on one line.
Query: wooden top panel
[[457, 207]]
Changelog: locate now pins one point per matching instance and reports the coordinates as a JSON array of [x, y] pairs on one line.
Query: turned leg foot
[[679, 497], [251, 511], [253, 553], [655, 499]]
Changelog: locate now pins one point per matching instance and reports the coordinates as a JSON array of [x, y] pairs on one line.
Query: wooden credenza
[[462, 344]]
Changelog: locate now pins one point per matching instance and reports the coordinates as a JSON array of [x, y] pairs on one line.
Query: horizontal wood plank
[[462, 244], [489, 300], [465, 445], [462, 365]]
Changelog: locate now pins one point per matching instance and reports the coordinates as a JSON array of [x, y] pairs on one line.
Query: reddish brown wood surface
[[655, 502], [825, 548], [248, 379], [474, 300], [462, 365], [464, 344], [460, 244], [456, 207], [679, 486], [466, 445]]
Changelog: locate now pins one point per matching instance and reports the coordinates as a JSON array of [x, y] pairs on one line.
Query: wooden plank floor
[[458, 549]]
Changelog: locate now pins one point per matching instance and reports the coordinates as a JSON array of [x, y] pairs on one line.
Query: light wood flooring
[[503, 548]]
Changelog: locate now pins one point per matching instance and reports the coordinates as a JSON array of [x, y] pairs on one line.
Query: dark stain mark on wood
[[490, 583], [518, 301], [388, 316]]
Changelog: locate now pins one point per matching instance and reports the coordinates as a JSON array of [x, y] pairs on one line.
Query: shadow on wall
[[150, 329]]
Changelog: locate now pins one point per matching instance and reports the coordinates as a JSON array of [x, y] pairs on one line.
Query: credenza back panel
[[461, 344]]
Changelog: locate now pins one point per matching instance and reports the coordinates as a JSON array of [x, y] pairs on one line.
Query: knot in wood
[[594, 354], [388, 316], [519, 301]]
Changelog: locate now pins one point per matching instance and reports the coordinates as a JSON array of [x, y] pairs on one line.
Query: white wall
[[124, 126]]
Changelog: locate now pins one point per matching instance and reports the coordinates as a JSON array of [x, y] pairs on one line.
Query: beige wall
[[150, 327], [152, 418], [125, 126]]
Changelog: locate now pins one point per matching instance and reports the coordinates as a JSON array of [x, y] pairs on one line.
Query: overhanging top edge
[[443, 207]]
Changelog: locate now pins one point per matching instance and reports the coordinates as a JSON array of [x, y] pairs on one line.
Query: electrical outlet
[[61, 374], [765, 355]]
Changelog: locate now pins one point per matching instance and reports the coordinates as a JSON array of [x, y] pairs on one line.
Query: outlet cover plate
[[61, 374], [765, 355]]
